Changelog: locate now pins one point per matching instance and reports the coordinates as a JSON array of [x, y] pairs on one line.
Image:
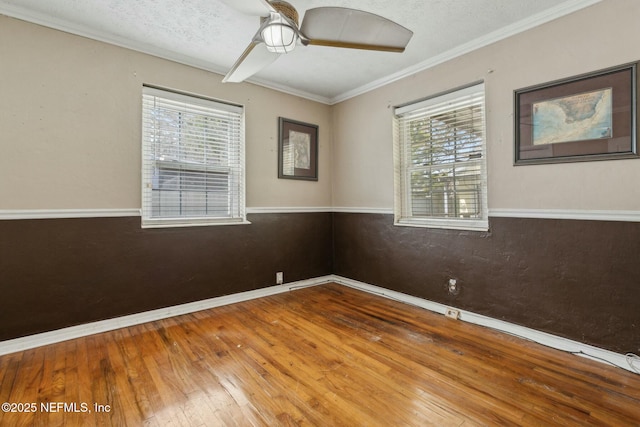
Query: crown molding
[[289, 90], [90, 33], [495, 36], [518, 27], [24, 14]]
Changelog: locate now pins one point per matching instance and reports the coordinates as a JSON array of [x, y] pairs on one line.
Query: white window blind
[[440, 167], [192, 160]]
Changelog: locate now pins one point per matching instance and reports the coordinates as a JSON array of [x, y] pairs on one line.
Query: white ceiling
[[211, 35]]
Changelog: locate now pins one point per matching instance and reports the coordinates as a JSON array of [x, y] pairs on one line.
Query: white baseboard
[[45, 338], [549, 340]]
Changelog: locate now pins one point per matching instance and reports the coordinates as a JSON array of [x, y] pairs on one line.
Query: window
[[192, 160], [440, 172]]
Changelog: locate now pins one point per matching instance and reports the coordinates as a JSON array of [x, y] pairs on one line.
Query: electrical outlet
[[452, 313], [453, 286], [279, 278]]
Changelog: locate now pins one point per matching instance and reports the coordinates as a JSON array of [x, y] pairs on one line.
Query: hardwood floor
[[322, 356]]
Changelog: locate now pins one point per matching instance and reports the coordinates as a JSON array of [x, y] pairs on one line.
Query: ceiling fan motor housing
[[280, 32], [286, 9]]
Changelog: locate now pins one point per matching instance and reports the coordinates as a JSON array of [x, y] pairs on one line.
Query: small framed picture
[[297, 150], [587, 117]]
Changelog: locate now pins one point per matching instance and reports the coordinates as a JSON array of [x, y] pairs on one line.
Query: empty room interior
[[347, 213]]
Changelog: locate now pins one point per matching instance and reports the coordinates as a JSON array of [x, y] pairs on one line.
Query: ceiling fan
[[322, 26]]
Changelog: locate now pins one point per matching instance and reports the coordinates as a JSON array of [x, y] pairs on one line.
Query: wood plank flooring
[[321, 356]]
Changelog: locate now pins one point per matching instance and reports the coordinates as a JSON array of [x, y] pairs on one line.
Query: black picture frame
[[588, 117], [297, 150]]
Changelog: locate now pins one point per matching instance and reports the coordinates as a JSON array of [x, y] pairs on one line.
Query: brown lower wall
[[576, 279], [56, 273]]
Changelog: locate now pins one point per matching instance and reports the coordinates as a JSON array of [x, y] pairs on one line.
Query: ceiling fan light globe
[[279, 38]]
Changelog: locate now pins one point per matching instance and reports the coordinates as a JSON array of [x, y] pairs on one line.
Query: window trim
[[402, 193], [147, 221]]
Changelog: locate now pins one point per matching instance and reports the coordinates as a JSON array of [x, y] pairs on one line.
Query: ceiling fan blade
[[351, 28], [254, 58], [251, 7], [363, 46]]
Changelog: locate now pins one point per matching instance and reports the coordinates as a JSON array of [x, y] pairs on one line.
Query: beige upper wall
[[70, 121], [598, 37], [70, 124]]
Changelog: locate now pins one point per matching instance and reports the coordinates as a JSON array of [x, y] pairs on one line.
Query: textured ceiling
[[211, 35]]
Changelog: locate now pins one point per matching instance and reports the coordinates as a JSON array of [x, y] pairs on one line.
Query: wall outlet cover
[[452, 313]]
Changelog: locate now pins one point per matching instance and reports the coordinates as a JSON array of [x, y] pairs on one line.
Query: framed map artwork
[[297, 150], [587, 117]]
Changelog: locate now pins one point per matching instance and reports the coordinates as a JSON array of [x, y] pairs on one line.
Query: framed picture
[[587, 117], [297, 150]]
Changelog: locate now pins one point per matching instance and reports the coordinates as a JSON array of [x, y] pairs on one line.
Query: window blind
[[193, 160], [441, 167]]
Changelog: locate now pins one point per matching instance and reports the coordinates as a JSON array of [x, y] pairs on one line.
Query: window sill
[[181, 223], [447, 224]]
